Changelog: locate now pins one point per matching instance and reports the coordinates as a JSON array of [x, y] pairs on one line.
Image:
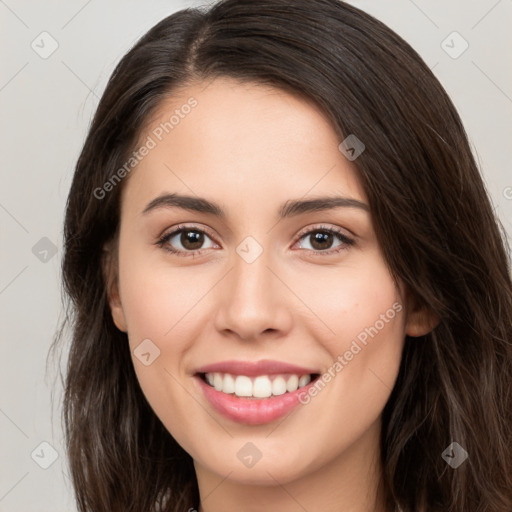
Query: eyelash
[[346, 241]]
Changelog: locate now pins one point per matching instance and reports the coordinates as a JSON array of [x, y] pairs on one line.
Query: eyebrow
[[290, 208]]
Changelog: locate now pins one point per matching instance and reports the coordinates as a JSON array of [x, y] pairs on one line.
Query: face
[[252, 286]]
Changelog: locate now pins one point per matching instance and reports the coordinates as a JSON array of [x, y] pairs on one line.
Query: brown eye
[[321, 240], [186, 241], [325, 240], [191, 240]]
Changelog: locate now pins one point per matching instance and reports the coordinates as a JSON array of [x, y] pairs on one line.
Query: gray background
[[46, 107]]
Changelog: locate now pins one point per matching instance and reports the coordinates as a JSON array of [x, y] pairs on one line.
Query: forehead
[[241, 141]]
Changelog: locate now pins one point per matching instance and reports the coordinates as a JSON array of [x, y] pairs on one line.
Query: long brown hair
[[432, 217]]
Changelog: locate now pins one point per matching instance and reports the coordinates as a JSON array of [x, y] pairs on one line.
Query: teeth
[[304, 381], [243, 386], [292, 384], [278, 386], [261, 386], [218, 381], [228, 384]]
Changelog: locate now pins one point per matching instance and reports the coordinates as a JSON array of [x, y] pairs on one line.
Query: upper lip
[[254, 368]]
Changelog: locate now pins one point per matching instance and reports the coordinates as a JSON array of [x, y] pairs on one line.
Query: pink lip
[[253, 368], [252, 411]]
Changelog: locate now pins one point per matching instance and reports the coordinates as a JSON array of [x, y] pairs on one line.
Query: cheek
[[349, 300], [159, 306], [163, 305], [160, 302], [363, 312]]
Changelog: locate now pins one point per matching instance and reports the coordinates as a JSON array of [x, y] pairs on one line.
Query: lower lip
[[252, 411]]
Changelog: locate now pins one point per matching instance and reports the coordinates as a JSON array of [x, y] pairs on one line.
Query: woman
[[286, 279]]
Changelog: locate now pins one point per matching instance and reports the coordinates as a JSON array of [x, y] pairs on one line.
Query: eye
[[190, 240], [321, 239], [186, 241]]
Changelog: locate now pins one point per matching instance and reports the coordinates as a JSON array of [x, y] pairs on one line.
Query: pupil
[[322, 237], [192, 240]]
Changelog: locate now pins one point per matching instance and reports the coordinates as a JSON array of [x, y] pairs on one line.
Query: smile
[[254, 393], [262, 386]]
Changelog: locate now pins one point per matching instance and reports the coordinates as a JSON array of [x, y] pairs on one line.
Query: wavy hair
[[432, 216]]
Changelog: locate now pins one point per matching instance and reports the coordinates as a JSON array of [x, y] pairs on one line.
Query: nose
[[252, 301]]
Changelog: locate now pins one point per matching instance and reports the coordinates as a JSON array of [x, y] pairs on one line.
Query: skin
[[250, 149]]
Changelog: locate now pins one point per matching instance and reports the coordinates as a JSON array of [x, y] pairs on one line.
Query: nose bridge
[[252, 299]]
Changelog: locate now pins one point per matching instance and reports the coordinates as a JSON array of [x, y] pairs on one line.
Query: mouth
[[257, 387], [254, 399], [254, 392]]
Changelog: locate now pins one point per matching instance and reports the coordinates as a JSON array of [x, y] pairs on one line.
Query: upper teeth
[[261, 386]]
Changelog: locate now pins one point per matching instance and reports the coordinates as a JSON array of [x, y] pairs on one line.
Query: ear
[[420, 318], [110, 275]]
